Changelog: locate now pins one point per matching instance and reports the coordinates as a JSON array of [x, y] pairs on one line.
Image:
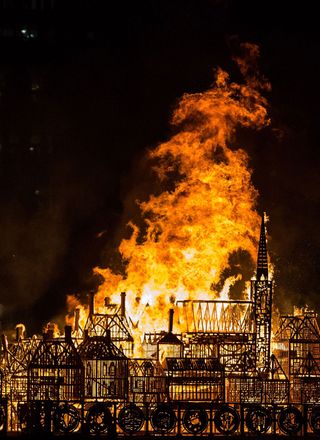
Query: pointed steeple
[[262, 262]]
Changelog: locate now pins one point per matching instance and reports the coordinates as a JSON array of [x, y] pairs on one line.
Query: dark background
[[85, 89]]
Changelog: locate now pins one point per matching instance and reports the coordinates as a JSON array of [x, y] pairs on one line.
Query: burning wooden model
[[222, 374]]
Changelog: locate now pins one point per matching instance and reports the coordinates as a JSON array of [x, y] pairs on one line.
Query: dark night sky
[[82, 99]]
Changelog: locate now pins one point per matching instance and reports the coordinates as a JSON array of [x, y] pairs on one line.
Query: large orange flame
[[209, 213]]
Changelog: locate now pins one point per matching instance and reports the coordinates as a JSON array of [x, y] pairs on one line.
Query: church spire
[[262, 262]]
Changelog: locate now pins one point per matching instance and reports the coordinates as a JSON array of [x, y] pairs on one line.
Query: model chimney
[[107, 301], [67, 333], [171, 312], [50, 331], [76, 319], [4, 342], [123, 304], [19, 332], [91, 303]]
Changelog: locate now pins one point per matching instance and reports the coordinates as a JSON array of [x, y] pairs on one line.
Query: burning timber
[[225, 374]]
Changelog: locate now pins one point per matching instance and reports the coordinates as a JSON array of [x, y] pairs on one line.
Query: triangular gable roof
[[56, 353], [297, 327], [19, 355], [246, 361], [288, 326], [100, 348], [308, 328], [99, 325], [139, 367], [170, 338], [275, 371], [309, 366]]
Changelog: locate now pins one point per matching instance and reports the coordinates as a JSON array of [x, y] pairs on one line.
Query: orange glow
[[208, 214]]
